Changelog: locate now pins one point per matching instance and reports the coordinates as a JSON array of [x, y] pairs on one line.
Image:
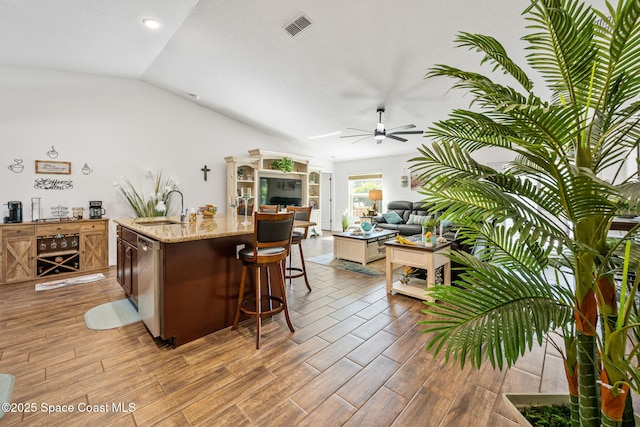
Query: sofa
[[406, 220]]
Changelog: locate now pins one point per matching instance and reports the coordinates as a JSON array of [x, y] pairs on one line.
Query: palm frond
[[562, 47], [495, 53], [485, 318]]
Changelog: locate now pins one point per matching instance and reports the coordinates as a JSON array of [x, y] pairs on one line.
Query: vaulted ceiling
[[235, 57]]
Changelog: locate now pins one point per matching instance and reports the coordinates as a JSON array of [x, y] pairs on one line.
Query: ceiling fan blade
[[362, 139], [397, 138], [351, 136], [361, 130], [408, 132], [402, 127]]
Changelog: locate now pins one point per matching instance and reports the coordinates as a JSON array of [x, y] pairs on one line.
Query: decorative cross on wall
[[205, 169]]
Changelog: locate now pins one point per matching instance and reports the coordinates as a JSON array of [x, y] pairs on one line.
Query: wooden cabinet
[[242, 175], [314, 199], [94, 246], [18, 253], [57, 248], [127, 267], [61, 249]]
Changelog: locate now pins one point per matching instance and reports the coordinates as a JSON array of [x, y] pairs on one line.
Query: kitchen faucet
[[183, 216]]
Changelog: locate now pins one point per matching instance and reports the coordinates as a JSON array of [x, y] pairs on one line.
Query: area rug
[[111, 315], [375, 268], [68, 282], [6, 388]]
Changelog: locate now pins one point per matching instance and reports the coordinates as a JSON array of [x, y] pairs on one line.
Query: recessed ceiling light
[[151, 23], [325, 135]]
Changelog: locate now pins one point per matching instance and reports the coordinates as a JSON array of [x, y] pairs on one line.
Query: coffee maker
[[15, 212], [95, 209]]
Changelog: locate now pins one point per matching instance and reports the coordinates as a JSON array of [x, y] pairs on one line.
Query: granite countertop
[[221, 225]]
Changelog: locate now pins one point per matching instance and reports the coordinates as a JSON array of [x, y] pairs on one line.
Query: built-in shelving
[[244, 173]]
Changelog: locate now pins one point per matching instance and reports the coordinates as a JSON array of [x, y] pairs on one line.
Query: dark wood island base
[[198, 273], [200, 282]]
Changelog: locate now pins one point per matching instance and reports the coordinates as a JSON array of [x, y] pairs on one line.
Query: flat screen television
[[280, 191]]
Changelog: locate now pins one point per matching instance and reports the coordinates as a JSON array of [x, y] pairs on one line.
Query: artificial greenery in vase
[[546, 263], [284, 164], [148, 199], [345, 220]]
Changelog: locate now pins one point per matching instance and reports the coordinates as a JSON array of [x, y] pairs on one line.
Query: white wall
[[118, 127], [392, 169]]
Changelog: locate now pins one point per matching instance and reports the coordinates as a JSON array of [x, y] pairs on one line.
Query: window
[[359, 186]]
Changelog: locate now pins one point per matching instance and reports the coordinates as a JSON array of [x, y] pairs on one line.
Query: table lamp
[[375, 195]]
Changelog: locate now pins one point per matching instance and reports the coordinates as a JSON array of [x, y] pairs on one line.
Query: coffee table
[[362, 248], [427, 257]]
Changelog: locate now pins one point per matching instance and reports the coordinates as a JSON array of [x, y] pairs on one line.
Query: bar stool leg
[[258, 307], [304, 267], [282, 283], [243, 278], [303, 270]]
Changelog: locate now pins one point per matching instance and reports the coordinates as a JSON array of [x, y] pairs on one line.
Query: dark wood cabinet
[[127, 259]]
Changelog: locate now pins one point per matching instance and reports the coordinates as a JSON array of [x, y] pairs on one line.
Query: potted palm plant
[[546, 262]]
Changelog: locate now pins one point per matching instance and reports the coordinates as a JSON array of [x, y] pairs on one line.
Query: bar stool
[[271, 246], [301, 214], [243, 207], [269, 208]]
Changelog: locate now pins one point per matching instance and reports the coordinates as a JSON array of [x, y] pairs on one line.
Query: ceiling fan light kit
[[380, 133]]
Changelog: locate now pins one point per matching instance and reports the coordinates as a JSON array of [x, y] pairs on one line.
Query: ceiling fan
[[380, 133]]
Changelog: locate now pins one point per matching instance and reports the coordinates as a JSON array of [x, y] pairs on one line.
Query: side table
[[427, 257]]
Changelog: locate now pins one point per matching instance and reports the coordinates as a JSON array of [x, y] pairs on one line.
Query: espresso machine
[[95, 209], [15, 212]]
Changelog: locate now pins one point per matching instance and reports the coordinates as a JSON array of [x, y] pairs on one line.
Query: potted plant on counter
[[546, 262], [147, 200]]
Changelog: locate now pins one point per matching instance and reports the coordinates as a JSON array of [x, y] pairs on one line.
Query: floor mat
[[68, 282], [6, 388], [375, 268], [111, 315]]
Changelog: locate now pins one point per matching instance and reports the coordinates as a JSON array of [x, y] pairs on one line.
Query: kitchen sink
[[159, 222]]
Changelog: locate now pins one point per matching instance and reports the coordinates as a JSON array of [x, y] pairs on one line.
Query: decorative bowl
[[208, 211]]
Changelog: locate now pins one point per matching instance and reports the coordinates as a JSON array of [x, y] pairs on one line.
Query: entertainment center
[[262, 184]]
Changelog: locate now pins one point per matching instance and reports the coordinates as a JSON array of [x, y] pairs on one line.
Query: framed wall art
[[46, 166]]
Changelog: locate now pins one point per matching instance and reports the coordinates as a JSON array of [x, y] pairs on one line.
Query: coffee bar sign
[[49, 167]]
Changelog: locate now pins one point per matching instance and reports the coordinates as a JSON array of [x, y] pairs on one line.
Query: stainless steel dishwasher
[[149, 284]]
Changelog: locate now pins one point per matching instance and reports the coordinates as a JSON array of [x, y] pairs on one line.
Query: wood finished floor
[[357, 358]]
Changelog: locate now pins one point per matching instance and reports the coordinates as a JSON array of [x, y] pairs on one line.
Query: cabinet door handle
[[127, 252]]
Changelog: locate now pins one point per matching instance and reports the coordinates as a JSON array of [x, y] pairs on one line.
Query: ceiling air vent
[[298, 25]]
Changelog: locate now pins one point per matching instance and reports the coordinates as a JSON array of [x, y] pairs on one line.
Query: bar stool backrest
[[301, 213], [272, 230], [269, 208]]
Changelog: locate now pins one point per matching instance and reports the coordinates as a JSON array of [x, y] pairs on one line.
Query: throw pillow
[[418, 219], [392, 217]]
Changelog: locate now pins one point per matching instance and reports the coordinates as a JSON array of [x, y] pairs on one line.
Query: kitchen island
[[195, 278]]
